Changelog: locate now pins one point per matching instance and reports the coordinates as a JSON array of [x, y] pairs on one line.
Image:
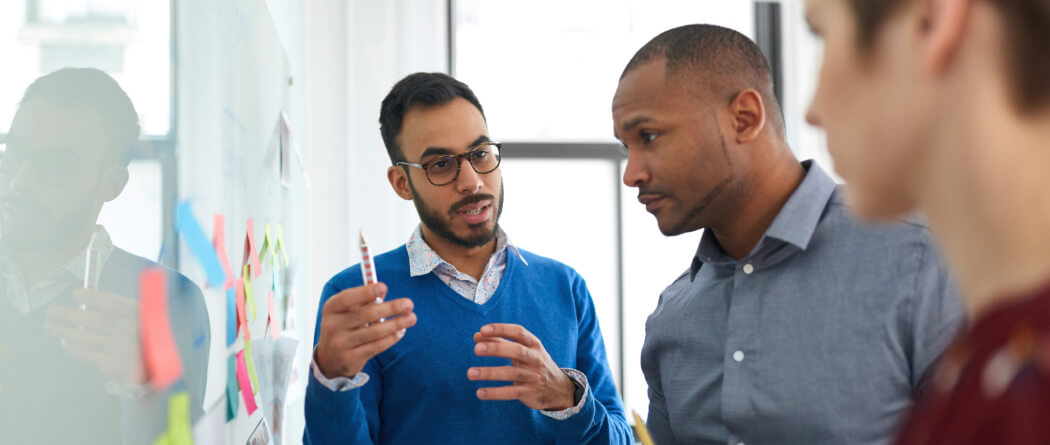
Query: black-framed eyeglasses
[[443, 170]]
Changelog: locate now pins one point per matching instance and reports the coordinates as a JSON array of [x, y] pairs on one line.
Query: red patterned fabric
[[993, 385]]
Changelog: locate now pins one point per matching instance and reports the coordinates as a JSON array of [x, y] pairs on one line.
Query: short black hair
[[422, 90], [724, 61], [92, 90]]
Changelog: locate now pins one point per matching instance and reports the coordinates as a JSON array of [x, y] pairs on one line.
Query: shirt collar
[[794, 224], [26, 298], [423, 260]]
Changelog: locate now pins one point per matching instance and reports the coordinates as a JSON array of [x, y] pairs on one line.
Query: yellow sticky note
[[249, 294], [269, 245], [643, 432], [280, 244], [250, 363], [179, 430]]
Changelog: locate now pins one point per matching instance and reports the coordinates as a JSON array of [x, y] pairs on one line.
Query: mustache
[[649, 191], [472, 199]]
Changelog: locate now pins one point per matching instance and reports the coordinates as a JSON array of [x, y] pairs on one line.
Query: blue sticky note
[[192, 233], [231, 316]]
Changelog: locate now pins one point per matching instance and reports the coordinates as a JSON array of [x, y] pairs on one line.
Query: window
[[130, 40]]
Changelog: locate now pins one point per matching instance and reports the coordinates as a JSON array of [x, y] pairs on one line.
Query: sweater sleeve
[[601, 419], [342, 416]]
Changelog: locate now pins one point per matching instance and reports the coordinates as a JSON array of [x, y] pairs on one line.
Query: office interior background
[[544, 70]]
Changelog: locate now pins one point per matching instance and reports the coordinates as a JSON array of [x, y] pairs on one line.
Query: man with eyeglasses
[[71, 367], [506, 347]]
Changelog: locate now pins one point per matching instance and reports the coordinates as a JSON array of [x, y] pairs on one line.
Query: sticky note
[[163, 364], [271, 320], [250, 256], [245, 384], [269, 245], [249, 294], [232, 316], [179, 430], [250, 360], [280, 244], [231, 388], [198, 243], [219, 243], [242, 321]]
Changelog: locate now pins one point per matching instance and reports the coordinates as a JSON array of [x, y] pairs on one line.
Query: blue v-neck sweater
[[418, 392]]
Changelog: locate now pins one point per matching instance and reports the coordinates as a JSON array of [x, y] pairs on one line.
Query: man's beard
[[441, 224]]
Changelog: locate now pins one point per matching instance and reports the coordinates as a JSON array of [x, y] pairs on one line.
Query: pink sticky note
[[245, 384], [270, 320], [219, 241], [242, 320], [158, 343], [250, 255]]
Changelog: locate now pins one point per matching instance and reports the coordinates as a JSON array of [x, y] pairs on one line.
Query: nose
[[811, 116], [469, 181], [636, 173]]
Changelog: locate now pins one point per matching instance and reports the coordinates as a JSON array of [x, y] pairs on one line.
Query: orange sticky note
[[242, 320], [270, 320], [245, 383], [219, 242], [251, 257], [158, 342]]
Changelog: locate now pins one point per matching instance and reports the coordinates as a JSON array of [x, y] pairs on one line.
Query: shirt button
[[738, 356], [748, 268]]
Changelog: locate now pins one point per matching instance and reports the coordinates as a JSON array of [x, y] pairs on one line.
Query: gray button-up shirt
[[821, 335]]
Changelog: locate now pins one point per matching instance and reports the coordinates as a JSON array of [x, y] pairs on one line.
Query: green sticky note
[[179, 430], [250, 363], [232, 403], [249, 293]]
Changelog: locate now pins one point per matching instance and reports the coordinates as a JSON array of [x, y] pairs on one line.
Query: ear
[[399, 182], [748, 115], [113, 183], [943, 30]]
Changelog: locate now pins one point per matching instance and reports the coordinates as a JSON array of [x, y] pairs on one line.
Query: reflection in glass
[[70, 313]]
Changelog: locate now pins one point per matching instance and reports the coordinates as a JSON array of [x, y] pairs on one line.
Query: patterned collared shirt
[[423, 260]]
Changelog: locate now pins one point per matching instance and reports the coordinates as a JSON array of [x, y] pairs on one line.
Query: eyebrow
[[627, 127], [432, 151]]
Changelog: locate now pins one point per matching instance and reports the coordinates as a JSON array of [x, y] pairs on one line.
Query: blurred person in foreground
[[944, 106]]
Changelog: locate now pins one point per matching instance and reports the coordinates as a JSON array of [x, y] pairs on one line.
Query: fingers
[[509, 392], [506, 349], [106, 302], [377, 331], [502, 373], [512, 332], [350, 299], [368, 314]]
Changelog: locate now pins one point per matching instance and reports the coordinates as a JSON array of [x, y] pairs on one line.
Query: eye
[[479, 154], [441, 163], [648, 137]]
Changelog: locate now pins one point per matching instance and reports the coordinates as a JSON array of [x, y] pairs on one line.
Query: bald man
[[794, 324]]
